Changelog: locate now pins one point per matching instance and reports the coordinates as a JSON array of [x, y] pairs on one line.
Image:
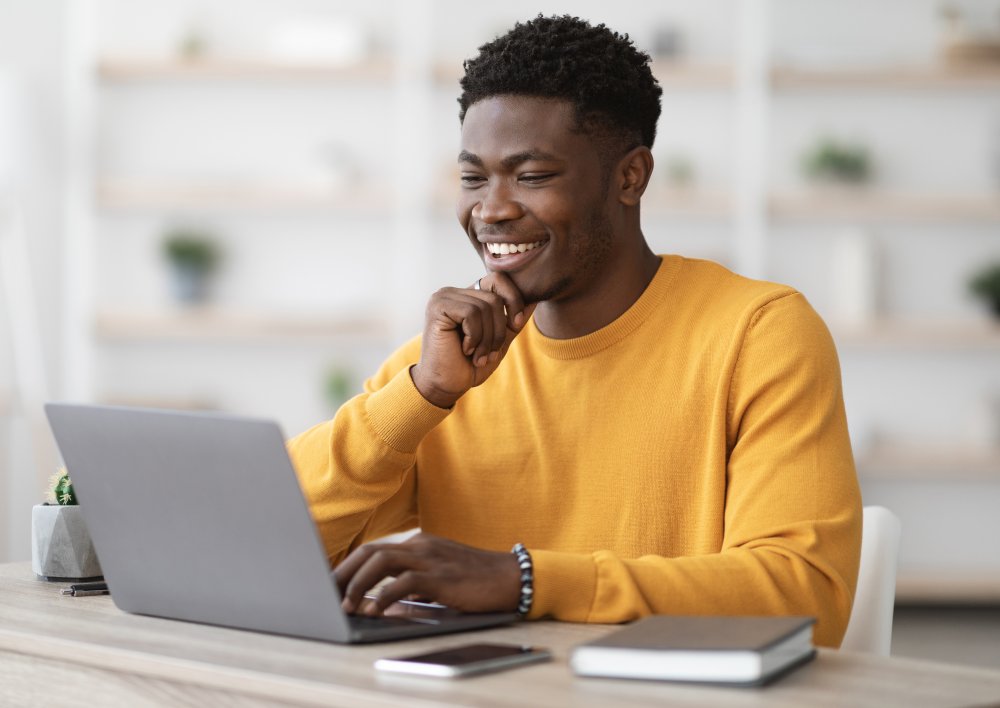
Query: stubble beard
[[589, 255]]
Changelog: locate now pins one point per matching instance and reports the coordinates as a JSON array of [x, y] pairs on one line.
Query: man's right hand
[[466, 335]]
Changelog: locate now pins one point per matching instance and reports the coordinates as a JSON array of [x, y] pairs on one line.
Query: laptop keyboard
[[363, 622]]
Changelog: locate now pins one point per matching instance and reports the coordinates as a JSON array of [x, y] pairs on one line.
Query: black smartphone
[[465, 660]]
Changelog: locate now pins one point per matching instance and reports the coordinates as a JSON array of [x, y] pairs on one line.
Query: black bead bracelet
[[527, 579]]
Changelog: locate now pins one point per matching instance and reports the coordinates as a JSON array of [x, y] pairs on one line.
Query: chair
[[870, 626]]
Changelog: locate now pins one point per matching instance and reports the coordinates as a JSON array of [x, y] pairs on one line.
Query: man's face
[[534, 199]]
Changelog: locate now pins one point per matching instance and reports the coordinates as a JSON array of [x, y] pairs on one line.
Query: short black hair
[[601, 72]]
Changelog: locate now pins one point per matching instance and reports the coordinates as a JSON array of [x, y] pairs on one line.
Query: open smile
[[510, 256], [503, 249]]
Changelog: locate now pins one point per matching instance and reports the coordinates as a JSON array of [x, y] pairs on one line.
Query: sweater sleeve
[[357, 471], [792, 536]]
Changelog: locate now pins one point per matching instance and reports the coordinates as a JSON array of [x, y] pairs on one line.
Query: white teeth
[[503, 249]]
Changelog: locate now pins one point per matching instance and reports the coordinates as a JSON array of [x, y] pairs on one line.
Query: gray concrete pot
[[61, 548]]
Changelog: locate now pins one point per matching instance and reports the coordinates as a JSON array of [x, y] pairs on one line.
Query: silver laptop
[[200, 517]]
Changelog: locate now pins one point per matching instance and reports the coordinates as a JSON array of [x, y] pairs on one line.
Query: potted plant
[[339, 386], [831, 161], [193, 256], [986, 285], [61, 549]]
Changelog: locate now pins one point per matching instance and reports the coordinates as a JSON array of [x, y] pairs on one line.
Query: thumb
[[521, 322]]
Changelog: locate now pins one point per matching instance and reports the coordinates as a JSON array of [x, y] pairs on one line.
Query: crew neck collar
[[610, 334]]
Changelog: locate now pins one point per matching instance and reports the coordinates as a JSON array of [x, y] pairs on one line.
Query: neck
[[606, 299]]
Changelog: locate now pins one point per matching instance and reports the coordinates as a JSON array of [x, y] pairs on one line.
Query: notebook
[[200, 517], [727, 650]]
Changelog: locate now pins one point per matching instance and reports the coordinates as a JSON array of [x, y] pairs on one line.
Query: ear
[[633, 172]]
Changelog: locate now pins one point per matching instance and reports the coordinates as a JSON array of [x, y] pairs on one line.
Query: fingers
[[480, 317], [408, 583], [501, 284], [381, 561]]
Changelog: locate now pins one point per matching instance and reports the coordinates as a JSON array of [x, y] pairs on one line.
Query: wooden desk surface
[[67, 651]]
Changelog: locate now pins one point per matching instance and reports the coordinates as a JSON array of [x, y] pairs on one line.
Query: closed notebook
[[729, 650]]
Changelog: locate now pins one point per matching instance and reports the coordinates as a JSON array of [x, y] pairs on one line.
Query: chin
[[535, 292]]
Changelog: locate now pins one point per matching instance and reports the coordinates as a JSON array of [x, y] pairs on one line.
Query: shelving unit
[[132, 69], [870, 205], [193, 196], [930, 336], [901, 463], [670, 74], [384, 234], [951, 585], [215, 325], [887, 78]]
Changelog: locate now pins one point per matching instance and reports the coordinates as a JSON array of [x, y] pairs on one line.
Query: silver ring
[[476, 286]]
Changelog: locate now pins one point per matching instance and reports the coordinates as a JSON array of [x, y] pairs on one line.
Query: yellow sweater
[[692, 457]]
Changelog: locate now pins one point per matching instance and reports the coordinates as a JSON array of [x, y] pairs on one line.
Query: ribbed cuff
[[565, 584], [400, 415]]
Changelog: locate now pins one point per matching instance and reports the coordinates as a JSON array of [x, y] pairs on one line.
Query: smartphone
[[465, 660]]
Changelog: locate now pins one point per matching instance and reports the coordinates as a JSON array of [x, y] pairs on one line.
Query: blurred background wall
[[302, 154]]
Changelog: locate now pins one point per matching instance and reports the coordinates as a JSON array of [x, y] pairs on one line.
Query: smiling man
[[652, 434]]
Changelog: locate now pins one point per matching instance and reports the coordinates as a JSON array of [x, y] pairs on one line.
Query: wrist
[[431, 394]]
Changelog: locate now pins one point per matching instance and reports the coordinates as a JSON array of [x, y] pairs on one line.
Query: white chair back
[[870, 627]]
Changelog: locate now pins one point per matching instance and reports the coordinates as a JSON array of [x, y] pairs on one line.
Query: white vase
[[61, 548]]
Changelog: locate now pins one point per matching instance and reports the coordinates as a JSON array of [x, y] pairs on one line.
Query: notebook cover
[[710, 633]]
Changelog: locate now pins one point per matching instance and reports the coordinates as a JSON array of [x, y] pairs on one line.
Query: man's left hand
[[432, 568]]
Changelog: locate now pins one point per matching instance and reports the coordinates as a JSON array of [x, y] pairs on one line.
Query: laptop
[[199, 517]]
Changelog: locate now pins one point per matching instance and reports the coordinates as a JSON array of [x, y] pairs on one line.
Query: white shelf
[[138, 195], [923, 335], [658, 201], [136, 69], [930, 463], [670, 74], [216, 325], [852, 204], [905, 77], [972, 585]]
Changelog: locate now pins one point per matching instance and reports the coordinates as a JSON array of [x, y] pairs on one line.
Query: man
[[661, 435]]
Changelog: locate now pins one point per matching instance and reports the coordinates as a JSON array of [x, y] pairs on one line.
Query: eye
[[472, 180], [536, 177]]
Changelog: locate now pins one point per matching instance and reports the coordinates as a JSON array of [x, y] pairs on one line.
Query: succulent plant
[[834, 161], [986, 284], [191, 248], [61, 490]]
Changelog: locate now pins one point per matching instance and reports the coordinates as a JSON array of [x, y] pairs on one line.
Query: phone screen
[[465, 660], [469, 654]]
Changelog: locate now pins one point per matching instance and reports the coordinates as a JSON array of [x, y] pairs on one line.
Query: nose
[[497, 204]]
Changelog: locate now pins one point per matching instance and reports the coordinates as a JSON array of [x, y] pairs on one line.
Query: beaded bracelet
[[527, 579]]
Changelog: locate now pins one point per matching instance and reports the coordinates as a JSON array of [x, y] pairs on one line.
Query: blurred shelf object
[[177, 404], [927, 335], [853, 204], [238, 196], [667, 201], [907, 462], [217, 325], [919, 77], [972, 53], [948, 585], [152, 69], [670, 74], [679, 74]]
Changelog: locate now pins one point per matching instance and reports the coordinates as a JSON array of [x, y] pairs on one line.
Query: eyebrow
[[511, 160]]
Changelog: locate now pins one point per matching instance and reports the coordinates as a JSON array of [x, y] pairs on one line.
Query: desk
[[82, 651]]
